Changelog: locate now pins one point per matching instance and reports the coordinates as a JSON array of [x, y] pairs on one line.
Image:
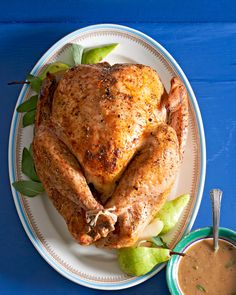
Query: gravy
[[203, 271]]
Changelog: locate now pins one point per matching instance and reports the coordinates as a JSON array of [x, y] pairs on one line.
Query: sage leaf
[[95, 55], [164, 243], [27, 165], [201, 288], [159, 242], [35, 82], [30, 150], [28, 105], [77, 52], [28, 188], [29, 118]]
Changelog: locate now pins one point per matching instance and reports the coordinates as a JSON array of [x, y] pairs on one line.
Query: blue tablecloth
[[201, 35]]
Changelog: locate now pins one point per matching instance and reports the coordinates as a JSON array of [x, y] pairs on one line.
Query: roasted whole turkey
[[107, 147]]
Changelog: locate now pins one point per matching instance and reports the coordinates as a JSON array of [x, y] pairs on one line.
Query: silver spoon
[[216, 195]]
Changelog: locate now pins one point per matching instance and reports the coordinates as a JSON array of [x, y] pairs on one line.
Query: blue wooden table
[[201, 36]]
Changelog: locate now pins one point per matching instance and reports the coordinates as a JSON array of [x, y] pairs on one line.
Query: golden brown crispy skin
[[144, 187], [177, 109], [108, 126], [107, 109], [73, 214]]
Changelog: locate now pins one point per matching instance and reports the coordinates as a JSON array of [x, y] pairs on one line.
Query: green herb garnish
[[27, 165], [28, 188], [77, 52], [28, 105], [30, 150], [33, 187], [159, 242], [201, 288], [29, 118]]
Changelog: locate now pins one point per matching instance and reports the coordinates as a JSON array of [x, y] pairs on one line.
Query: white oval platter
[[89, 266]]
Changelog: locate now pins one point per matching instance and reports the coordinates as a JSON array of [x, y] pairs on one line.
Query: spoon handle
[[216, 195]]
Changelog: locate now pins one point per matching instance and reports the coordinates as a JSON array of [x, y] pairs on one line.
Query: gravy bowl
[[184, 245]]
